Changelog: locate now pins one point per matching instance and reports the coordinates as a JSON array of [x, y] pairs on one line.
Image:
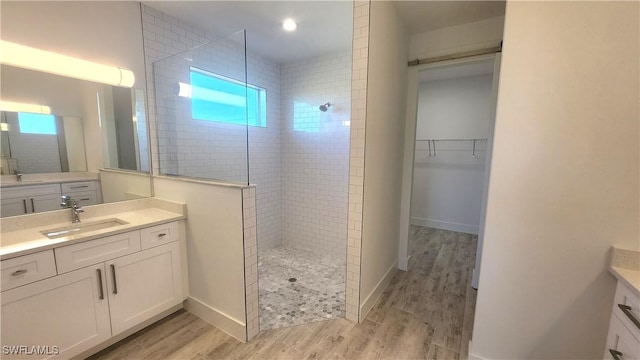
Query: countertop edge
[[626, 276], [102, 234]]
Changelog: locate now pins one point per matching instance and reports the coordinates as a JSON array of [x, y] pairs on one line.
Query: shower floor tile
[[298, 286]]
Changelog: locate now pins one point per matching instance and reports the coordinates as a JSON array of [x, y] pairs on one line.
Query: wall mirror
[[77, 131]]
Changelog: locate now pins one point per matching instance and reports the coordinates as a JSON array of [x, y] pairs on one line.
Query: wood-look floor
[[425, 313]]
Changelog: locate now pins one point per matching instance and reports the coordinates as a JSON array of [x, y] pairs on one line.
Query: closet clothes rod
[[451, 140], [432, 145]]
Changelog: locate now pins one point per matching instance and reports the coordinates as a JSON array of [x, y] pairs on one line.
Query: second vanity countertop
[[9, 181], [22, 237], [625, 266]]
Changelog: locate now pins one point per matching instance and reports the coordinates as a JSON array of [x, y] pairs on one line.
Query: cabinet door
[[69, 311], [42, 203], [13, 207], [143, 284]]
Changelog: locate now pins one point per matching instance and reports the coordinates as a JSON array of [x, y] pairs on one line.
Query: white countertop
[[625, 266], [628, 276], [7, 181], [25, 240]]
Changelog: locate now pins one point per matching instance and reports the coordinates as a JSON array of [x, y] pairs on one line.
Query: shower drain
[[293, 279]]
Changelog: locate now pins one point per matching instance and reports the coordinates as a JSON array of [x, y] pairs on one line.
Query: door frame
[[413, 85]]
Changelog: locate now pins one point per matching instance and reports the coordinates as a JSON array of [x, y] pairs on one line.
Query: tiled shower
[[298, 160]]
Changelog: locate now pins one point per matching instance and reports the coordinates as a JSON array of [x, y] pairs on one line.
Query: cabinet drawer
[[620, 340], [78, 186], [626, 297], [84, 198], [159, 234], [27, 269], [94, 251]]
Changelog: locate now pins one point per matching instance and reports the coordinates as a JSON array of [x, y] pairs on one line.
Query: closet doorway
[[450, 123]]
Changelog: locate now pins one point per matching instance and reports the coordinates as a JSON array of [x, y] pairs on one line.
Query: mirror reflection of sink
[[81, 228]]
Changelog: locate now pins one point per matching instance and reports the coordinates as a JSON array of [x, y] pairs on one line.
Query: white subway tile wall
[[315, 153], [356, 157], [214, 150], [308, 180], [250, 261]]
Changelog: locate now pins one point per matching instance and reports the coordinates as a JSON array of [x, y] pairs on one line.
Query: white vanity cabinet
[[103, 287], [83, 192], [623, 341], [29, 199], [142, 285], [68, 312]]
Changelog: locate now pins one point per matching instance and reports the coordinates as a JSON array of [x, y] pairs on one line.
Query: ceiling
[[323, 26], [426, 15]]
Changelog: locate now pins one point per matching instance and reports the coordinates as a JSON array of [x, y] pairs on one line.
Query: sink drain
[[293, 279]]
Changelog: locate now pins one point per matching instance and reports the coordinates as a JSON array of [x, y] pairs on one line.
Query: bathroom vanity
[[28, 197], [76, 288], [623, 340]]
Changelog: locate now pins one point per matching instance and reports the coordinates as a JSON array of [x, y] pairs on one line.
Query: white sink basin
[[81, 228]]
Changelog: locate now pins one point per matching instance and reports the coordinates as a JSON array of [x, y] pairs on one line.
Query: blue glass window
[[220, 99], [37, 124]]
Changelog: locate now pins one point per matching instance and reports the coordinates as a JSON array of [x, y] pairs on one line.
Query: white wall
[[315, 153], [447, 188], [564, 180], [214, 247], [471, 36], [118, 185], [386, 92]]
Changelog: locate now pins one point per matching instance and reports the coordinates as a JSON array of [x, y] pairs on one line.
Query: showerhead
[[325, 107]]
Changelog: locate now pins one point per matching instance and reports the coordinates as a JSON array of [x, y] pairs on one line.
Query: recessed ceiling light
[[289, 25]]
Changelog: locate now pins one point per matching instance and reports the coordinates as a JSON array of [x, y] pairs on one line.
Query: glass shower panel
[[203, 108]]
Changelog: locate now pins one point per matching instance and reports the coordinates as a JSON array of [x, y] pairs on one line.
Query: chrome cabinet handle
[[24, 202], [33, 206], [626, 309], [113, 274], [78, 187], [617, 355], [19, 272], [101, 297]]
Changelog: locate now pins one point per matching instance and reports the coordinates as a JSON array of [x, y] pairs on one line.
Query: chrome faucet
[[69, 203], [18, 175], [76, 211]]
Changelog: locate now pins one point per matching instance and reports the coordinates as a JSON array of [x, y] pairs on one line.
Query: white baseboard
[[217, 318], [445, 225], [475, 278], [403, 263], [473, 356], [476, 357], [368, 303]]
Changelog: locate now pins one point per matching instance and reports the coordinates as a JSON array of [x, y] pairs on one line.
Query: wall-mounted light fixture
[[35, 59], [22, 107]]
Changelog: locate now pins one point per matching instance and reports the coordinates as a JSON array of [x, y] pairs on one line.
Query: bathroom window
[[37, 124], [221, 99]]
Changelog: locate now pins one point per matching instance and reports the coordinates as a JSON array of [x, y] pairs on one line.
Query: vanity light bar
[[35, 59], [22, 107]]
